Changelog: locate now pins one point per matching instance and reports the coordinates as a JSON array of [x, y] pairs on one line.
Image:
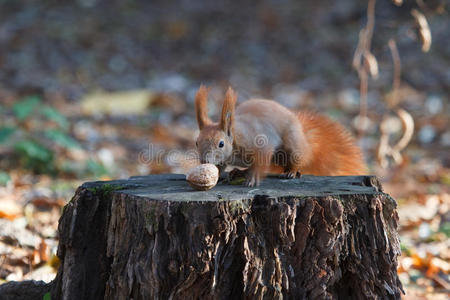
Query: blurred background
[[97, 90]]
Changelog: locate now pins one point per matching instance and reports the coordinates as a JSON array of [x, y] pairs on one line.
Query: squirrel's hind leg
[[295, 152]]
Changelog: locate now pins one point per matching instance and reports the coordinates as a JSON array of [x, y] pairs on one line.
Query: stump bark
[[154, 237], [24, 290]]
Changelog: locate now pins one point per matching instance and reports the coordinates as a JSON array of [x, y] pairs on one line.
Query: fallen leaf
[[9, 207], [134, 102], [43, 251]]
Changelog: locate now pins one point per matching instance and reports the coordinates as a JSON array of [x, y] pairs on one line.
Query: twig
[[408, 130], [397, 72], [384, 148], [370, 22], [365, 63], [363, 87]]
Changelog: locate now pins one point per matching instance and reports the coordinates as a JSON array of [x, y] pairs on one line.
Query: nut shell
[[203, 177]]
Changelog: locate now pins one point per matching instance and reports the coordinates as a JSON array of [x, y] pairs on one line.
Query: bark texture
[[155, 238]]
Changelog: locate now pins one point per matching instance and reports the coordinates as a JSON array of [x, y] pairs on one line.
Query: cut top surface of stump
[[174, 187]]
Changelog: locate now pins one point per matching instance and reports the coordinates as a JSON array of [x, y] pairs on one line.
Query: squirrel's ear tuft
[[201, 107], [227, 116]]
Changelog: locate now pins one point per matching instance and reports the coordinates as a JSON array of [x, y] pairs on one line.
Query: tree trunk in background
[[154, 237]]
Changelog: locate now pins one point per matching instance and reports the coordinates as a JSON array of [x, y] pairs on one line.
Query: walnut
[[203, 177]]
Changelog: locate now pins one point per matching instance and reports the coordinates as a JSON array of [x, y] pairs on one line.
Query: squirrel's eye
[[221, 144]]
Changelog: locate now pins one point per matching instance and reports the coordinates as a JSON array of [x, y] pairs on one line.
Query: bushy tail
[[334, 150]]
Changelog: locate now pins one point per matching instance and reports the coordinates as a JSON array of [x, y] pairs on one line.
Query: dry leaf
[[43, 251], [9, 207], [118, 103], [371, 63], [423, 29]]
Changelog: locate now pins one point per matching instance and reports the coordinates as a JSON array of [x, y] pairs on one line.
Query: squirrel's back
[[256, 117], [334, 150]]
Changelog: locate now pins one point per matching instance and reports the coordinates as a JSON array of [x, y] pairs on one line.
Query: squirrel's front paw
[[252, 180]]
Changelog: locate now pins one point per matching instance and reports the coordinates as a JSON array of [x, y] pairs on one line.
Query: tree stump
[[24, 290], [154, 237]]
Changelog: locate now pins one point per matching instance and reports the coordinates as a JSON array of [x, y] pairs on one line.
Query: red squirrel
[[263, 135]]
